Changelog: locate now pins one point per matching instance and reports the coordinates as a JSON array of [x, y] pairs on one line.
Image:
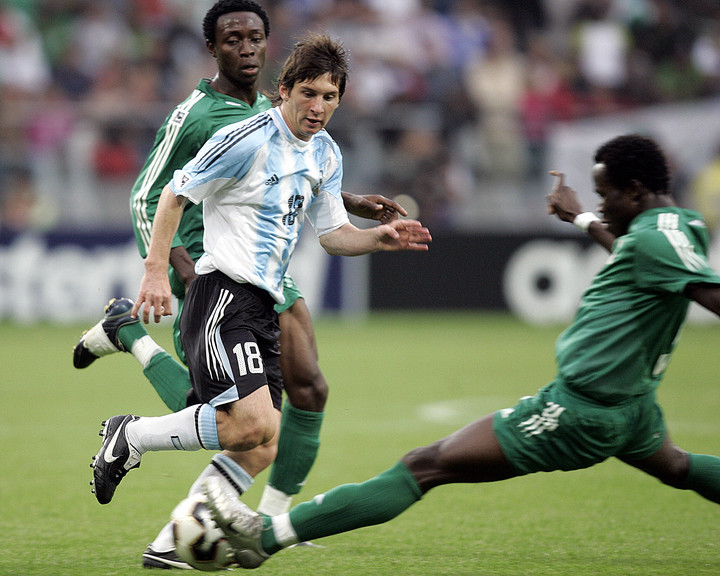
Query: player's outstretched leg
[[115, 458], [346, 507], [102, 339], [242, 526]]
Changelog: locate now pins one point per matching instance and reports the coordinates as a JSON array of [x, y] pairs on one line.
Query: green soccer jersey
[[626, 326], [178, 140]]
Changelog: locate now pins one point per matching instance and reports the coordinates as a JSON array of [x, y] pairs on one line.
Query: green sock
[[170, 379], [704, 476], [298, 446], [128, 333], [348, 507]]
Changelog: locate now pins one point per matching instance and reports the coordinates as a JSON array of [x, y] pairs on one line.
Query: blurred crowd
[[444, 95]]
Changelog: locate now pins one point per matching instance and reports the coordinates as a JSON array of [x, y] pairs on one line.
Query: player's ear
[[637, 191], [211, 48], [284, 92]]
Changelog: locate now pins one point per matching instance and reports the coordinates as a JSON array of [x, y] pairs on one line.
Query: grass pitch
[[397, 381]]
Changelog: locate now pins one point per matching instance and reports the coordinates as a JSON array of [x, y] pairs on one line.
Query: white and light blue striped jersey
[[258, 182]]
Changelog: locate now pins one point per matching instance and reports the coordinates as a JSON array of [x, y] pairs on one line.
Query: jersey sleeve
[[178, 134], [222, 160], [669, 261], [327, 212]]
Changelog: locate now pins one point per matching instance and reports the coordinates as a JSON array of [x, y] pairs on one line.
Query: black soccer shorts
[[230, 336]]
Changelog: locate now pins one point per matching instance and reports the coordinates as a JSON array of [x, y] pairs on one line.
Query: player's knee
[[250, 434], [677, 472], [674, 469], [427, 466], [420, 459], [266, 455]]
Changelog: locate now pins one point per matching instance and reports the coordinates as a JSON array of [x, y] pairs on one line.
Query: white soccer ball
[[198, 540]]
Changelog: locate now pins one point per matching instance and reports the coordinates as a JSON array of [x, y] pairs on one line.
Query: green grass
[[397, 381]]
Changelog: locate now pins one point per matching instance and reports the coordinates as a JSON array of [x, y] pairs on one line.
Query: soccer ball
[[198, 540]]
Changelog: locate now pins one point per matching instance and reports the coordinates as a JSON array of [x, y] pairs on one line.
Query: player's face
[[308, 107], [618, 207], [240, 47]]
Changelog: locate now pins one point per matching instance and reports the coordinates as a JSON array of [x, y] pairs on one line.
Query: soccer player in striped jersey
[[236, 33], [602, 403], [257, 180]]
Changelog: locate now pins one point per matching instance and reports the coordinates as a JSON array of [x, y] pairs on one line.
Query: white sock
[[176, 431], [235, 478], [144, 349], [274, 502], [283, 530], [98, 342], [164, 541]]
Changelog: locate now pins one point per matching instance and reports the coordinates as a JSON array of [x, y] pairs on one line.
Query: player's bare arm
[[373, 207], [155, 286], [348, 240], [707, 295], [183, 264], [563, 202]]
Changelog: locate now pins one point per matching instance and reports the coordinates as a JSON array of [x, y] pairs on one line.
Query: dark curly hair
[[635, 157], [227, 6]]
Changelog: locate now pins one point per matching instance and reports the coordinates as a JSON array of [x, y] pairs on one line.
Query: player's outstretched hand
[[562, 201], [155, 294], [376, 207], [403, 235]]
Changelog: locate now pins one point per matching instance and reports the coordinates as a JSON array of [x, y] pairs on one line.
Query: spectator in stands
[[495, 83]]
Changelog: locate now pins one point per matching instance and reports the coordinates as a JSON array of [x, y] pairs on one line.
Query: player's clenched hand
[[562, 201], [403, 235], [155, 295]]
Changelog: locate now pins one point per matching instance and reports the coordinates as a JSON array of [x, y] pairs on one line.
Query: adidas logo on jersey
[[272, 180]]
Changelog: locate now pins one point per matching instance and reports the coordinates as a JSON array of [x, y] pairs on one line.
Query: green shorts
[[557, 429], [291, 293]]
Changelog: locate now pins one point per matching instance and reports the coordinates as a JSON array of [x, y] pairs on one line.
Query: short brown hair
[[313, 56]]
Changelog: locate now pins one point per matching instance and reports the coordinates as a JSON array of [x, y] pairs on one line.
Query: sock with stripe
[[169, 377], [298, 447], [236, 480], [128, 333], [343, 508], [190, 429]]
